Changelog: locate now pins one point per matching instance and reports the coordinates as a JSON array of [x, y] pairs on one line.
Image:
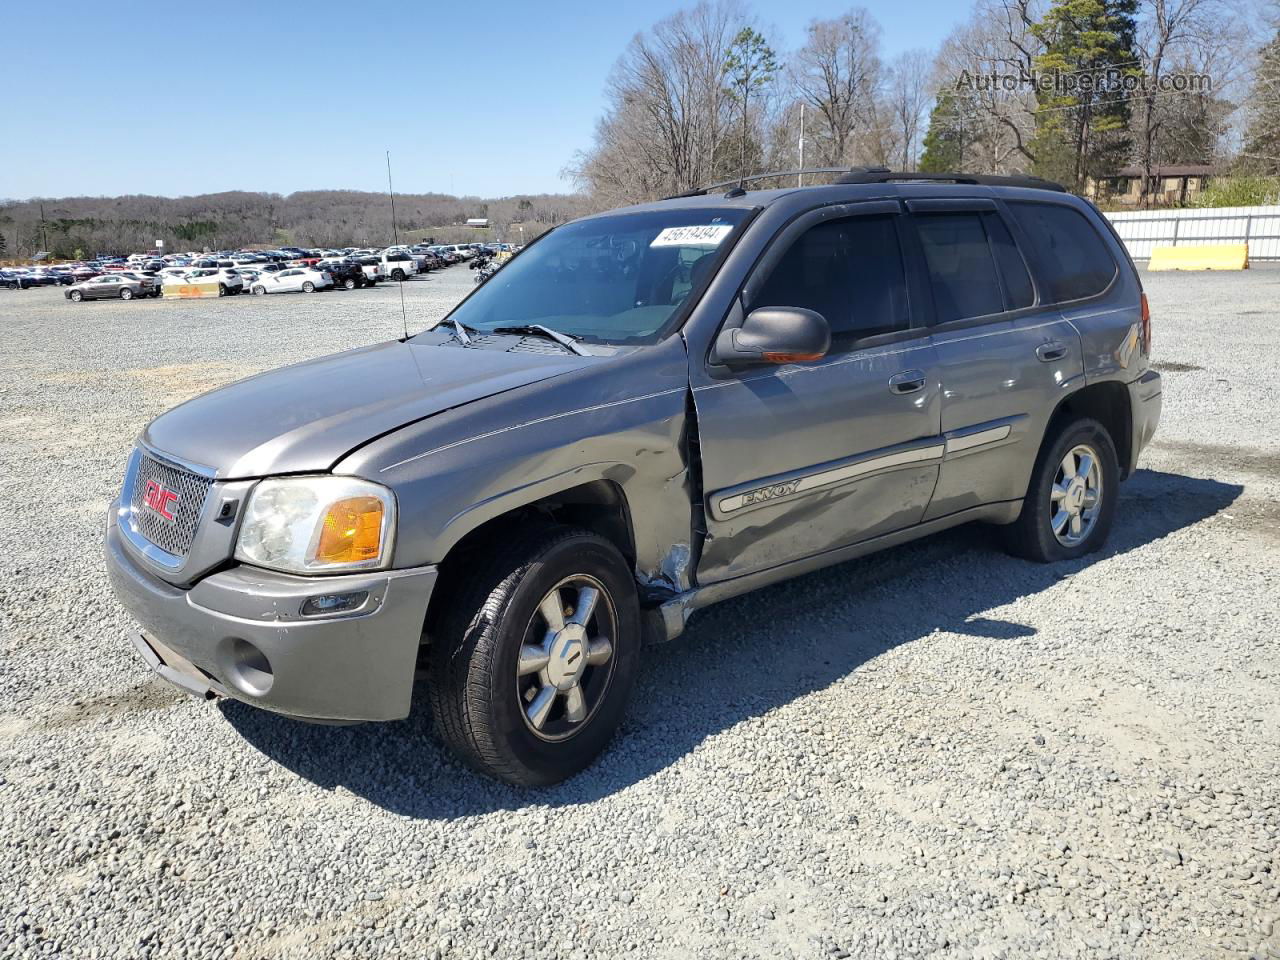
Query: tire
[[259, 290], [126, 294], [348, 284], [397, 275], [1034, 534], [308, 287], [76, 296], [222, 289], [482, 705]]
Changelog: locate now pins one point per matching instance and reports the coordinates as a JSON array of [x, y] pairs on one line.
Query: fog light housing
[[330, 603]]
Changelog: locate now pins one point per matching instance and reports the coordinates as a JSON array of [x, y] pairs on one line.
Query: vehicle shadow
[[737, 660]]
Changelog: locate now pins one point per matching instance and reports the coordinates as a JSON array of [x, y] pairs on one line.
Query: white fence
[[1259, 227]]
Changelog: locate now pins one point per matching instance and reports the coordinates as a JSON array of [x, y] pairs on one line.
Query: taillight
[[1146, 326]]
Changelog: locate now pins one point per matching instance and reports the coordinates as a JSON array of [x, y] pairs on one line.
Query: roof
[[906, 188], [1167, 170]]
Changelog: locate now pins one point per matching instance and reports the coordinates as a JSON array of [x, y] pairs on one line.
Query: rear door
[[800, 459], [1006, 355]]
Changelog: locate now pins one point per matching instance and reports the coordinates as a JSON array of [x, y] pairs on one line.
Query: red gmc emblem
[[158, 498]]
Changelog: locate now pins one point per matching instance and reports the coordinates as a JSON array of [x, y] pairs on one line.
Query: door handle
[[1051, 351], [908, 381]]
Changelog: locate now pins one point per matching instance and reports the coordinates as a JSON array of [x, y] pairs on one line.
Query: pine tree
[[1262, 138], [944, 141], [749, 65], [1082, 121]]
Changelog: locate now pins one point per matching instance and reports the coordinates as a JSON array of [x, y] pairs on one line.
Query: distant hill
[[84, 226]]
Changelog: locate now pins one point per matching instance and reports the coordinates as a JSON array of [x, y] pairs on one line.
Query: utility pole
[[800, 176], [44, 231]]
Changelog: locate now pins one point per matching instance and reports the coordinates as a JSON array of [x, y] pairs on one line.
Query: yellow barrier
[[1221, 256], [205, 288]]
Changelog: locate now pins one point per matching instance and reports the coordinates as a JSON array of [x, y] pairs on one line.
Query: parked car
[[372, 267], [13, 280], [398, 265], [149, 285], [295, 280], [645, 412], [345, 273], [108, 286], [229, 281]]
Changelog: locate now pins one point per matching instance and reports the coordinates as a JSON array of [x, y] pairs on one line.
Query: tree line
[[708, 94], [1071, 90], [80, 227]]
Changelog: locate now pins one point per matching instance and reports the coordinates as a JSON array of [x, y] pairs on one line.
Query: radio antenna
[[395, 232]]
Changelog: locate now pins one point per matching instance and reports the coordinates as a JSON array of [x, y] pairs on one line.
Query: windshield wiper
[[461, 331], [536, 328]]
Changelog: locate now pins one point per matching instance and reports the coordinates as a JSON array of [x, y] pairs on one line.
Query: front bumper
[[1146, 397], [240, 633]]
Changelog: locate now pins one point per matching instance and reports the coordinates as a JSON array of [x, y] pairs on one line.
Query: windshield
[[615, 279]]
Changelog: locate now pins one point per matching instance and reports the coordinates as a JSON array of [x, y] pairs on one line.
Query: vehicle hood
[[305, 418]]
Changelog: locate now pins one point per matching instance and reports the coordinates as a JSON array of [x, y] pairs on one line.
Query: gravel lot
[[938, 751]]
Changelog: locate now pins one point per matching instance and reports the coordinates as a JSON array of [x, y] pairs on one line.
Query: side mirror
[[775, 335]]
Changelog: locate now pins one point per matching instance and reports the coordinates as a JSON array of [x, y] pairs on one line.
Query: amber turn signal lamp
[[791, 357], [351, 532]]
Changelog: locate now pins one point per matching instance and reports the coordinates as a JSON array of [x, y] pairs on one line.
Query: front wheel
[[534, 659], [76, 296], [308, 287], [1071, 500], [222, 289], [348, 284], [259, 290]]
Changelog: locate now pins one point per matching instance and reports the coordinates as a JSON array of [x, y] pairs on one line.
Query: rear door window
[[1072, 258], [851, 272], [961, 267], [1018, 292]]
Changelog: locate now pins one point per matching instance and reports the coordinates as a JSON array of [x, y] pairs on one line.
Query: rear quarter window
[[1074, 261]]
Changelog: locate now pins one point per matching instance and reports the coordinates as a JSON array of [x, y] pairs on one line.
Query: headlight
[[318, 525]]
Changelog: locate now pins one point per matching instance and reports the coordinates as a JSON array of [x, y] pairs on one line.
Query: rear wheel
[[397, 275], [1071, 501], [348, 284], [126, 293], [308, 287], [533, 662]]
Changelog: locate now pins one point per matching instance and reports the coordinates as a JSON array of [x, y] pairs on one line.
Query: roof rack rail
[[885, 175], [736, 181]]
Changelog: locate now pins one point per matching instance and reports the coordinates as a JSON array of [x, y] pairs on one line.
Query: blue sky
[[488, 98]]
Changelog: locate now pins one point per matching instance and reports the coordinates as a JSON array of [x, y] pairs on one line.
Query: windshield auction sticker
[[708, 236]]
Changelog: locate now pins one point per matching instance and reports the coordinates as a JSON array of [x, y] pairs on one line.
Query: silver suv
[[645, 412]]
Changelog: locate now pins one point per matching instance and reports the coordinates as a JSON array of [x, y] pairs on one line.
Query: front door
[[800, 459]]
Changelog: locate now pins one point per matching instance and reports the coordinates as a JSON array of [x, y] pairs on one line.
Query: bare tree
[[1170, 32], [907, 95], [668, 110], [837, 73], [996, 42]]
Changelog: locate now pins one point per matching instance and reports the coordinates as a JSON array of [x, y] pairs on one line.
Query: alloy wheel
[[1076, 496], [565, 662]]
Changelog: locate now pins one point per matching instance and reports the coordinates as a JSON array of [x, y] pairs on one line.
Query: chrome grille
[[172, 536]]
